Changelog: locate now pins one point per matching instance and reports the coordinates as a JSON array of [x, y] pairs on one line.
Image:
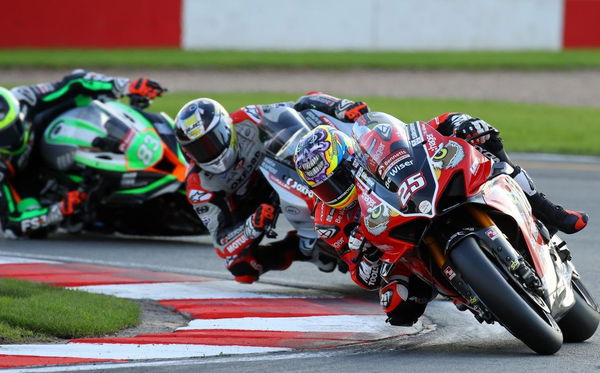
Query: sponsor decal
[[449, 272], [253, 113], [449, 156], [384, 131], [394, 170], [492, 233], [326, 231], [268, 165], [378, 153], [338, 244], [202, 209], [369, 273], [425, 207], [377, 220], [128, 179], [53, 216], [126, 142], [416, 137], [326, 121], [33, 223], [291, 210], [431, 143], [392, 160], [205, 220], [236, 244], [369, 201], [312, 118], [293, 186], [197, 196], [229, 236], [299, 187]]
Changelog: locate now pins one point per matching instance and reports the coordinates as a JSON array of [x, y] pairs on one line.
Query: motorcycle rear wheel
[[581, 322], [534, 327]]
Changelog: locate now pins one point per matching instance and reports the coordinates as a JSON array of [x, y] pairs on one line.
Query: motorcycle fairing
[[504, 194], [400, 159], [142, 165]]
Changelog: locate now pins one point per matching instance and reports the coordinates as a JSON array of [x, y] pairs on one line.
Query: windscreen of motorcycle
[[396, 155], [281, 130]]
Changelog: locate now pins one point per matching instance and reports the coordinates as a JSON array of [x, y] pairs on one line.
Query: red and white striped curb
[[227, 318]]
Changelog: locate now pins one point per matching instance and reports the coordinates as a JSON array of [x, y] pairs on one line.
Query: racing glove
[[261, 220], [146, 88], [473, 127], [349, 111]]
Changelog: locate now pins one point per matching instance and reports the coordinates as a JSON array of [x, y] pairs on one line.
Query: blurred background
[[529, 67]]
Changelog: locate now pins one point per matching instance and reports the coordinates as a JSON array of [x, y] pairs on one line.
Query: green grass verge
[[524, 127], [31, 311], [169, 58]]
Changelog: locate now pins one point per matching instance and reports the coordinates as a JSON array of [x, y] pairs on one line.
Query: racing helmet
[[322, 161], [204, 130], [13, 134]]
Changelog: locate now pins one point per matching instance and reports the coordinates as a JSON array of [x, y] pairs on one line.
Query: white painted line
[[342, 323], [198, 290], [17, 260], [181, 362], [131, 351]]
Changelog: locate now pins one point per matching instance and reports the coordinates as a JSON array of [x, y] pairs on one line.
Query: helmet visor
[[12, 137], [210, 146], [335, 188]]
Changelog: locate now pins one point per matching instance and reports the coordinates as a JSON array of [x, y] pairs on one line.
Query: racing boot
[[555, 217]]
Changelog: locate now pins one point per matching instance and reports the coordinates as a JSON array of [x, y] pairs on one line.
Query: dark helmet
[[205, 132], [322, 161], [13, 134]]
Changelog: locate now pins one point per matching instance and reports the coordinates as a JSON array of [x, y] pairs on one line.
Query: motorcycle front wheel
[[521, 317]]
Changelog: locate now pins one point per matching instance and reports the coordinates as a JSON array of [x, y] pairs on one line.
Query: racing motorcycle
[[439, 208], [127, 161], [280, 131]]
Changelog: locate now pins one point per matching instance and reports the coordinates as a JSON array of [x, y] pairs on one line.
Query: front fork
[[494, 241]]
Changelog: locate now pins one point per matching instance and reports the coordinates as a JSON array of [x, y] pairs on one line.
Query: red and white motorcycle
[[437, 206]]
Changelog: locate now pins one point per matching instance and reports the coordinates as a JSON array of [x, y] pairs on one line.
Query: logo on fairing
[[326, 231], [416, 137], [492, 233], [53, 216]]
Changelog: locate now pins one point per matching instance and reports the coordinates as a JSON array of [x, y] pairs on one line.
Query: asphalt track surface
[[457, 343]]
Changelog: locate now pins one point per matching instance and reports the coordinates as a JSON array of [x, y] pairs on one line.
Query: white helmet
[[205, 132]]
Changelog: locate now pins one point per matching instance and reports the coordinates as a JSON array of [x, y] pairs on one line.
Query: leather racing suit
[[227, 203]]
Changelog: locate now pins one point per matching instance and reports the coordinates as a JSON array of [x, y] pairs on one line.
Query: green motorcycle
[[127, 161]]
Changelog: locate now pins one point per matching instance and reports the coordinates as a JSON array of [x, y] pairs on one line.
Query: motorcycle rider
[[323, 160], [225, 186], [25, 111]]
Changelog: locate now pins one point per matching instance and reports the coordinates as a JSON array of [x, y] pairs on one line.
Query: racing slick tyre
[[520, 316], [581, 322]]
